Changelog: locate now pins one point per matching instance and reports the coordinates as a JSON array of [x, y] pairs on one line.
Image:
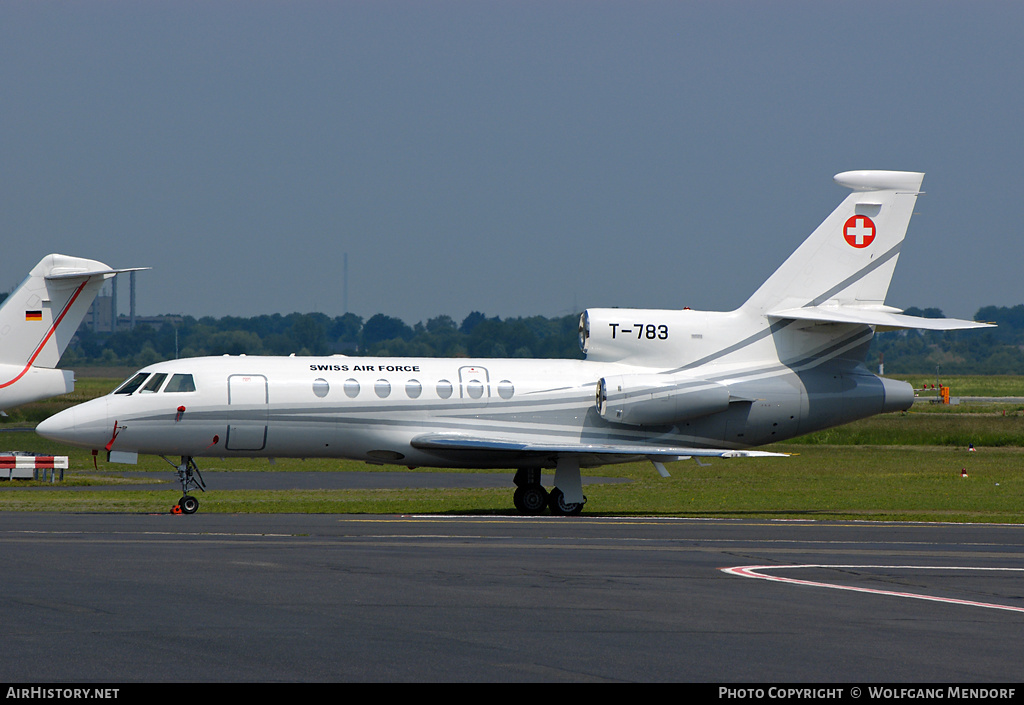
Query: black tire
[[188, 504], [531, 499], [560, 507]]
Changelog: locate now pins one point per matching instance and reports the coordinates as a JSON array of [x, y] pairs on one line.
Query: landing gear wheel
[[560, 507], [188, 504], [530, 499], [190, 479]]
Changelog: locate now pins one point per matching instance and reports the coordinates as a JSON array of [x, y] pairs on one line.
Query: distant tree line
[[319, 334], [992, 351]]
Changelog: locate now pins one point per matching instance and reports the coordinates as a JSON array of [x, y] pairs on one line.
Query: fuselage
[[374, 409]]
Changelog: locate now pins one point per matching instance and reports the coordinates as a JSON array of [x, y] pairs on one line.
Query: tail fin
[[38, 320], [849, 259], [841, 273]]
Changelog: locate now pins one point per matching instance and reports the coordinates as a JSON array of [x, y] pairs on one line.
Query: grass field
[[972, 385], [894, 467]]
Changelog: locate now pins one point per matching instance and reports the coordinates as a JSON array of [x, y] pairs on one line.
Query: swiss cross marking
[[859, 231]]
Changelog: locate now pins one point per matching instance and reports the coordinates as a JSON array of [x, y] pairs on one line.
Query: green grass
[[893, 483], [893, 467], [971, 385], [926, 428]]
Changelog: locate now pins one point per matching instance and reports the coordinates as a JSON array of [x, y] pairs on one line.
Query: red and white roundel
[[859, 231]]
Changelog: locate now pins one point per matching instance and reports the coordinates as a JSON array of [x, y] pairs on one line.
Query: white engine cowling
[[651, 337], [652, 400]]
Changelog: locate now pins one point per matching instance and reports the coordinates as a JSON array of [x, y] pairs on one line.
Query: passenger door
[[249, 406], [475, 383]]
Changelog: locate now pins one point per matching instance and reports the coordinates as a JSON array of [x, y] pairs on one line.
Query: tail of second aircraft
[[38, 320]]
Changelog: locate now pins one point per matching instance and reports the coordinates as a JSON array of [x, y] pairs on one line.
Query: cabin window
[[505, 389], [413, 388], [132, 384], [320, 387], [351, 388], [180, 383], [382, 388], [475, 388], [154, 383], [444, 389]]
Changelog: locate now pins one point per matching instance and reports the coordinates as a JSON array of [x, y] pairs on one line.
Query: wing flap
[[456, 442]]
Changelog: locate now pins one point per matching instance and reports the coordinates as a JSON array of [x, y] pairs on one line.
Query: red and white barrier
[[25, 467]]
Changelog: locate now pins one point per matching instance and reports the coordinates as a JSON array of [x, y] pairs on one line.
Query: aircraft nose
[[86, 425], [59, 427]]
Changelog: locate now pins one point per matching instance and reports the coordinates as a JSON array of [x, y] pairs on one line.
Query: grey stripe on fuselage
[[781, 324], [875, 264], [750, 340]]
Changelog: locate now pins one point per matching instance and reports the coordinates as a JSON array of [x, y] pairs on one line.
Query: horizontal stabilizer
[[886, 320], [452, 442], [73, 274]]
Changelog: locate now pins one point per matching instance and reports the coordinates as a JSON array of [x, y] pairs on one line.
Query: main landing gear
[[190, 479], [531, 498]]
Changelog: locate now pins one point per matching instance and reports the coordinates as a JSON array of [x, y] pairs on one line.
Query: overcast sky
[[512, 157]]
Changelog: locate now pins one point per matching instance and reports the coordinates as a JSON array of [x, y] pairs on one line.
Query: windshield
[[177, 383], [132, 384], [154, 382]]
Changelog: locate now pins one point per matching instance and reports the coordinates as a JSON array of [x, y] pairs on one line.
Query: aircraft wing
[[460, 442], [886, 320]]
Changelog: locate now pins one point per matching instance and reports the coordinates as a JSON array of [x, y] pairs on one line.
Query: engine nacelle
[[653, 400], [650, 337]]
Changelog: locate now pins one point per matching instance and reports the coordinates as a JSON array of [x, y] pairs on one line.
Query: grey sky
[[512, 157]]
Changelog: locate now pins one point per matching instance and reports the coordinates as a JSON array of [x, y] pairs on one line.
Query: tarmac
[[162, 599]]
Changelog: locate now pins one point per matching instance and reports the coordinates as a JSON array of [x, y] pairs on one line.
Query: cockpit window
[[180, 383], [154, 382], [132, 384]]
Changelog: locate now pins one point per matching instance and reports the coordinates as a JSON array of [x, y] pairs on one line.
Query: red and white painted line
[[753, 571]]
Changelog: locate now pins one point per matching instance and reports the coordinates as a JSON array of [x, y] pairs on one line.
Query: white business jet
[[38, 320], [656, 384]]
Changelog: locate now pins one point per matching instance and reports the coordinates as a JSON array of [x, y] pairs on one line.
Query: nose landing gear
[[190, 479]]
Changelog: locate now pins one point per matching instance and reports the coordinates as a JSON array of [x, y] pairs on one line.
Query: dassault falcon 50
[[38, 320], [657, 384]]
